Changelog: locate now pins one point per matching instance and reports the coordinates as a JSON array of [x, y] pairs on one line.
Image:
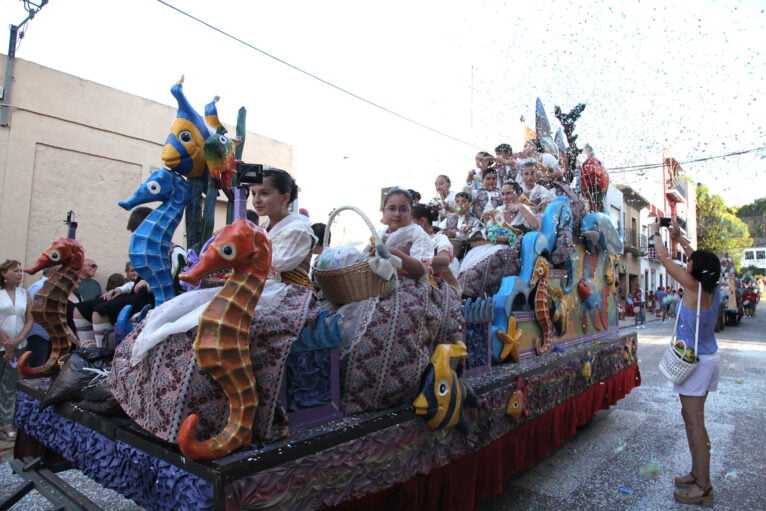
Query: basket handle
[[358, 211]]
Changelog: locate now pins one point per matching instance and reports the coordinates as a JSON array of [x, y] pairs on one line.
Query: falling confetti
[[651, 469]]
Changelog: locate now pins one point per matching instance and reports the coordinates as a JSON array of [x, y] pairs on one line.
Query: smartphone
[[665, 221]]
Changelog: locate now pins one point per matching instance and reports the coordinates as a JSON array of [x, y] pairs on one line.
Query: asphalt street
[[625, 459]]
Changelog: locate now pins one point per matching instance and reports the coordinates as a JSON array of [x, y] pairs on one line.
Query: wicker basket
[[672, 365], [352, 283]]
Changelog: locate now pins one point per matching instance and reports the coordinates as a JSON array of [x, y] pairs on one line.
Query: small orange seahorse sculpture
[[49, 304], [222, 345], [542, 309]]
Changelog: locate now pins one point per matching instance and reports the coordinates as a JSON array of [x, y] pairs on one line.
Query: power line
[[307, 73], [647, 166]]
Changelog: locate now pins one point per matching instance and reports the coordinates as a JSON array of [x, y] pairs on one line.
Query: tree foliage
[[753, 215], [718, 229], [755, 208]]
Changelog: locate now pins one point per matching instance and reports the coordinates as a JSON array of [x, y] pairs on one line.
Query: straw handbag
[[674, 365], [352, 283]]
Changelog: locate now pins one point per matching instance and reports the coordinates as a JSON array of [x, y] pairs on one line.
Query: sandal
[[707, 498], [682, 483]]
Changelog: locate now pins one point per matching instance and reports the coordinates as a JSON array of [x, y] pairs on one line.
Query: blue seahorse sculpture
[[150, 244]]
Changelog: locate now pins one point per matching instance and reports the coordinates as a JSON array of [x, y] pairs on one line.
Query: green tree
[[753, 215], [718, 229]]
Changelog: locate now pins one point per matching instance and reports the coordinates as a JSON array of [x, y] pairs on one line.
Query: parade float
[[530, 365]]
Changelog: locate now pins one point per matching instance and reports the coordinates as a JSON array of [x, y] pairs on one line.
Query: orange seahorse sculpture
[[542, 310], [49, 304], [222, 345]]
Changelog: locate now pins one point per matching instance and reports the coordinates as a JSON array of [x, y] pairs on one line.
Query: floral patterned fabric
[[483, 274], [387, 343], [168, 385]]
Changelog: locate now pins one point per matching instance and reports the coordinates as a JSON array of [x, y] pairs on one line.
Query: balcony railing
[[634, 242]]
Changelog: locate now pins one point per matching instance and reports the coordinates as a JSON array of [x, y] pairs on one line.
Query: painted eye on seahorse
[[185, 136], [54, 255], [228, 251], [153, 187]]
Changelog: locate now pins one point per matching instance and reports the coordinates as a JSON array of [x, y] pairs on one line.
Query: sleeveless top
[[687, 325], [13, 315]]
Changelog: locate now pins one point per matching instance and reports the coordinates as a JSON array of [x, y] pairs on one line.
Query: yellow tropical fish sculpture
[[184, 147], [587, 367], [443, 394]]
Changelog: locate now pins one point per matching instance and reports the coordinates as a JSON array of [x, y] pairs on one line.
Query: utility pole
[[32, 9]]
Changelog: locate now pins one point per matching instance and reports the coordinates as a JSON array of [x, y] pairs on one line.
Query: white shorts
[[703, 379]]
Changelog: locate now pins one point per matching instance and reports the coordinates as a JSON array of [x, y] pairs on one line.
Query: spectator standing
[[659, 297], [749, 299], [697, 315], [15, 323], [638, 308], [88, 288]]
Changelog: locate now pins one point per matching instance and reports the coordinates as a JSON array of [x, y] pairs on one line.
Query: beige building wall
[[76, 145]]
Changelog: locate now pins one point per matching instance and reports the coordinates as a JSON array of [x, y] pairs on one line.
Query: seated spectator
[[88, 288], [95, 319], [115, 280]]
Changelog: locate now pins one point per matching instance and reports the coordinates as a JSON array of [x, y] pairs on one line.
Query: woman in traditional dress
[[15, 323], [387, 340], [166, 384], [484, 267]]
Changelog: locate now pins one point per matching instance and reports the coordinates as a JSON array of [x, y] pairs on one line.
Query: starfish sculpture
[[510, 340]]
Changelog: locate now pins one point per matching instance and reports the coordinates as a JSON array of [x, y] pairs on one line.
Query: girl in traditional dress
[[444, 263], [163, 388], [15, 323], [387, 340], [488, 196], [444, 196], [461, 224]]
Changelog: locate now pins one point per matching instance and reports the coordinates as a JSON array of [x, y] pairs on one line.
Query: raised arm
[[675, 271], [675, 234]]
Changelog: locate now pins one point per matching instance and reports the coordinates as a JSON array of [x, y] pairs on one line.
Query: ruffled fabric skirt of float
[[484, 267], [388, 340], [168, 385]]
